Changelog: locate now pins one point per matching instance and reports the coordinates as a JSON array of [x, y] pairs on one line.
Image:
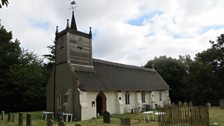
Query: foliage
[[22, 76], [207, 72], [173, 72], [199, 80], [50, 57]]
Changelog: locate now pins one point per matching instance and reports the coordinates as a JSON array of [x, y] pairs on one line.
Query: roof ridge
[[122, 65]]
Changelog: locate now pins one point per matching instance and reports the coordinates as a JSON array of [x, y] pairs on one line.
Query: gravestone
[[125, 121], [106, 117], [49, 122], [61, 123], [28, 120], [221, 103], [13, 118], [9, 117], [2, 115], [209, 104], [20, 119]]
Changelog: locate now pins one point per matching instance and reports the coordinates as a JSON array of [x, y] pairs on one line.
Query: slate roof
[[109, 76]]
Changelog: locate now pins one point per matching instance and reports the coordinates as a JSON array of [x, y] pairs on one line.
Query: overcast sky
[[125, 31]]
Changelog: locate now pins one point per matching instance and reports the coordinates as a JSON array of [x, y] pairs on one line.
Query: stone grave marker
[[106, 117], [61, 123], [125, 121], [13, 118], [49, 122], [2, 115], [9, 116], [20, 119], [28, 120]]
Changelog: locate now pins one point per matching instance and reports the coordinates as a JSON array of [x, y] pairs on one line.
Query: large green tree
[[22, 76], [207, 73], [173, 72]]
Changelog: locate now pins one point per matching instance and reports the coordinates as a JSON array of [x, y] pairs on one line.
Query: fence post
[[28, 120], [20, 119]]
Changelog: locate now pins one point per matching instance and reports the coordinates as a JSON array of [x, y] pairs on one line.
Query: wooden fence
[[183, 115]]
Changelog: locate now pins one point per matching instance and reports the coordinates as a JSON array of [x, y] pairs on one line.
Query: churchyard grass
[[216, 115]]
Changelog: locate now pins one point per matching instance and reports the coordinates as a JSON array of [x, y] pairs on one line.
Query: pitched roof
[[109, 76]]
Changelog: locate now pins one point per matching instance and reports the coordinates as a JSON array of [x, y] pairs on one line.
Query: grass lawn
[[216, 115]]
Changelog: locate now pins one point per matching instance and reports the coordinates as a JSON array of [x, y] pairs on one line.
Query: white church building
[[87, 87]]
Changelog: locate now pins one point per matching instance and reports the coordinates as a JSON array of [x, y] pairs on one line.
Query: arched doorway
[[100, 103]]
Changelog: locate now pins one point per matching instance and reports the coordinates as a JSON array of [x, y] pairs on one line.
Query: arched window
[[127, 98], [143, 97], [59, 101], [160, 95]]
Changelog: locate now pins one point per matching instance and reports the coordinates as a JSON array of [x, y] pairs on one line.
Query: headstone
[[209, 105], [191, 104], [221, 103], [126, 121], [28, 120], [9, 117], [106, 117], [180, 103], [49, 122], [2, 115], [13, 118], [185, 103], [61, 123], [20, 119]]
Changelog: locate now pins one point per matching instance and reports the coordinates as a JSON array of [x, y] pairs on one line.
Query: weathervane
[[73, 5]]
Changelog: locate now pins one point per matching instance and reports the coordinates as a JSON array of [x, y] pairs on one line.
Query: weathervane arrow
[[73, 3]]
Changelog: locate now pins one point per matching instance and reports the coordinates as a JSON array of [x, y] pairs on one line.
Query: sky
[[125, 31]]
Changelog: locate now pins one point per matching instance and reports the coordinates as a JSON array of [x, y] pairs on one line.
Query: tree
[[210, 71], [173, 72], [22, 76], [50, 57], [4, 2]]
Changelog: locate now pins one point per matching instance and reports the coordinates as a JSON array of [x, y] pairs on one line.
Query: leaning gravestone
[[2, 115], [221, 103], [49, 122], [13, 118], [106, 117], [9, 117], [61, 123], [125, 121], [28, 120], [20, 119]]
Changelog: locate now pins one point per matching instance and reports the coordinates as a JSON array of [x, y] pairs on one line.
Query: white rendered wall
[[114, 105], [87, 110], [156, 98], [111, 103]]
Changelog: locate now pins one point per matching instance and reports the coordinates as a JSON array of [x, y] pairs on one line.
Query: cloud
[[126, 31]]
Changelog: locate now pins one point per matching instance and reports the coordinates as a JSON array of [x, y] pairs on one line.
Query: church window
[[59, 101], [127, 98], [143, 97], [65, 98], [160, 95]]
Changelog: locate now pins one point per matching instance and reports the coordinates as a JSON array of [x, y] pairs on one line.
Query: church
[[87, 87]]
